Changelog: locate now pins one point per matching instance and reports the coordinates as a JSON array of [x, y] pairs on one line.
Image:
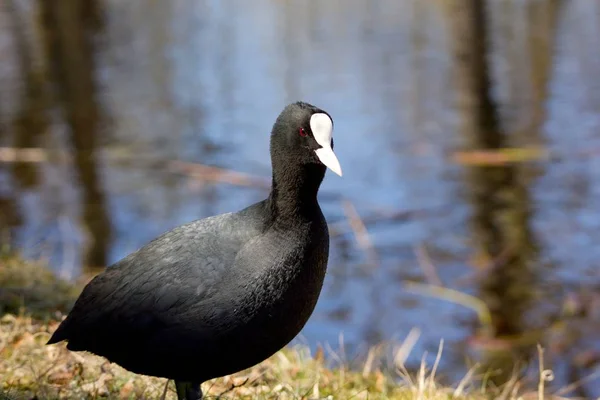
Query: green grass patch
[[30, 287]]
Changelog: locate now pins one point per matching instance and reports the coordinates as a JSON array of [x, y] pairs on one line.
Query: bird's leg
[[188, 391], [164, 395]]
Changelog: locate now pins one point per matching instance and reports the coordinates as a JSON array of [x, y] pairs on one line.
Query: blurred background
[[468, 132]]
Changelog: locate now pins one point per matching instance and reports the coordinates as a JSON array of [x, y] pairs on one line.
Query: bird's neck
[[294, 190]]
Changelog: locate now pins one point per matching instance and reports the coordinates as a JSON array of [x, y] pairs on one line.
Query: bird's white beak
[[322, 129], [327, 157]]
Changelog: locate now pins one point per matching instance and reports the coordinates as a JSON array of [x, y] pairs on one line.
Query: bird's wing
[[149, 291]]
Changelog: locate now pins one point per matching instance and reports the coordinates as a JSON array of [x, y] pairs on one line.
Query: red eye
[[302, 132]]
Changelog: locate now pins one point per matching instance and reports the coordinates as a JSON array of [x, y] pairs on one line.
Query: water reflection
[[29, 122], [69, 29], [501, 203], [113, 92]]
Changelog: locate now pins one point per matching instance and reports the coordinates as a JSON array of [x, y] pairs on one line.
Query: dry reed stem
[[360, 231], [427, 265], [216, 174]]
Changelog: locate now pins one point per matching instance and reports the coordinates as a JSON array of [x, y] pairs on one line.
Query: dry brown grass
[[29, 369]]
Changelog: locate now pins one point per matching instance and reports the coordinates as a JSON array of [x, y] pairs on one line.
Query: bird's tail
[[59, 334]]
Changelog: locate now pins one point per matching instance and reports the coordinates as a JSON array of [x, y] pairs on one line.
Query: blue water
[[202, 81]]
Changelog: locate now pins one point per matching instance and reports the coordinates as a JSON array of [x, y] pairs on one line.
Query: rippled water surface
[[202, 82]]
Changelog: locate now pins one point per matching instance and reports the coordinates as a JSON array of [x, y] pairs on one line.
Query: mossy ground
[[32, 301]]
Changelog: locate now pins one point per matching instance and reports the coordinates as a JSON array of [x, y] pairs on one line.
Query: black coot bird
[[220, 294]]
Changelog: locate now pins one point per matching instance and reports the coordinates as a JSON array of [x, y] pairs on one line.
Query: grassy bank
[[32, 300]]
